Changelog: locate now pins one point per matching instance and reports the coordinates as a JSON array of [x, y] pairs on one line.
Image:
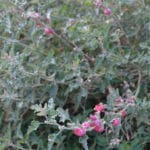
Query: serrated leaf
[[63, 114], [42, 111]]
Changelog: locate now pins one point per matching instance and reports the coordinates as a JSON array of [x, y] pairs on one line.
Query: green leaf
[[63, 114], [99, 63], [53, 90], [19, 133], [34, 125], [83, 141], [82, 94], [124, 146]]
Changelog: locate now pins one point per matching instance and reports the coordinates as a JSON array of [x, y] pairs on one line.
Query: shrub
[[63, 60]]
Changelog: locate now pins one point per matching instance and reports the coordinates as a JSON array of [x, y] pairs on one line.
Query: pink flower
[[99, 108], [48, 31], [116, 122], [99, 128], [97, 125], [86, 125], [93, 117], [119, 99], [79, 132], [123, 113], [107, 11]]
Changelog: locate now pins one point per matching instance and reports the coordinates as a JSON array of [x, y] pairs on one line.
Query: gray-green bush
[[61, 75]]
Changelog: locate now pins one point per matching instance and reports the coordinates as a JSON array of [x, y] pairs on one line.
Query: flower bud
[[48, 31], [123, 113], [99, 108], [79, 132], [86, 125], [93, 117], [107, 11], [116, 122], [99, 128]]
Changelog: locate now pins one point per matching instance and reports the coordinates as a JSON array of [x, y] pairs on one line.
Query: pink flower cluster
[[96, 123], [122, 104], [100, 4]]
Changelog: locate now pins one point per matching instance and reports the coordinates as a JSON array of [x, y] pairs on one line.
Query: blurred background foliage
[[90, 52]]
